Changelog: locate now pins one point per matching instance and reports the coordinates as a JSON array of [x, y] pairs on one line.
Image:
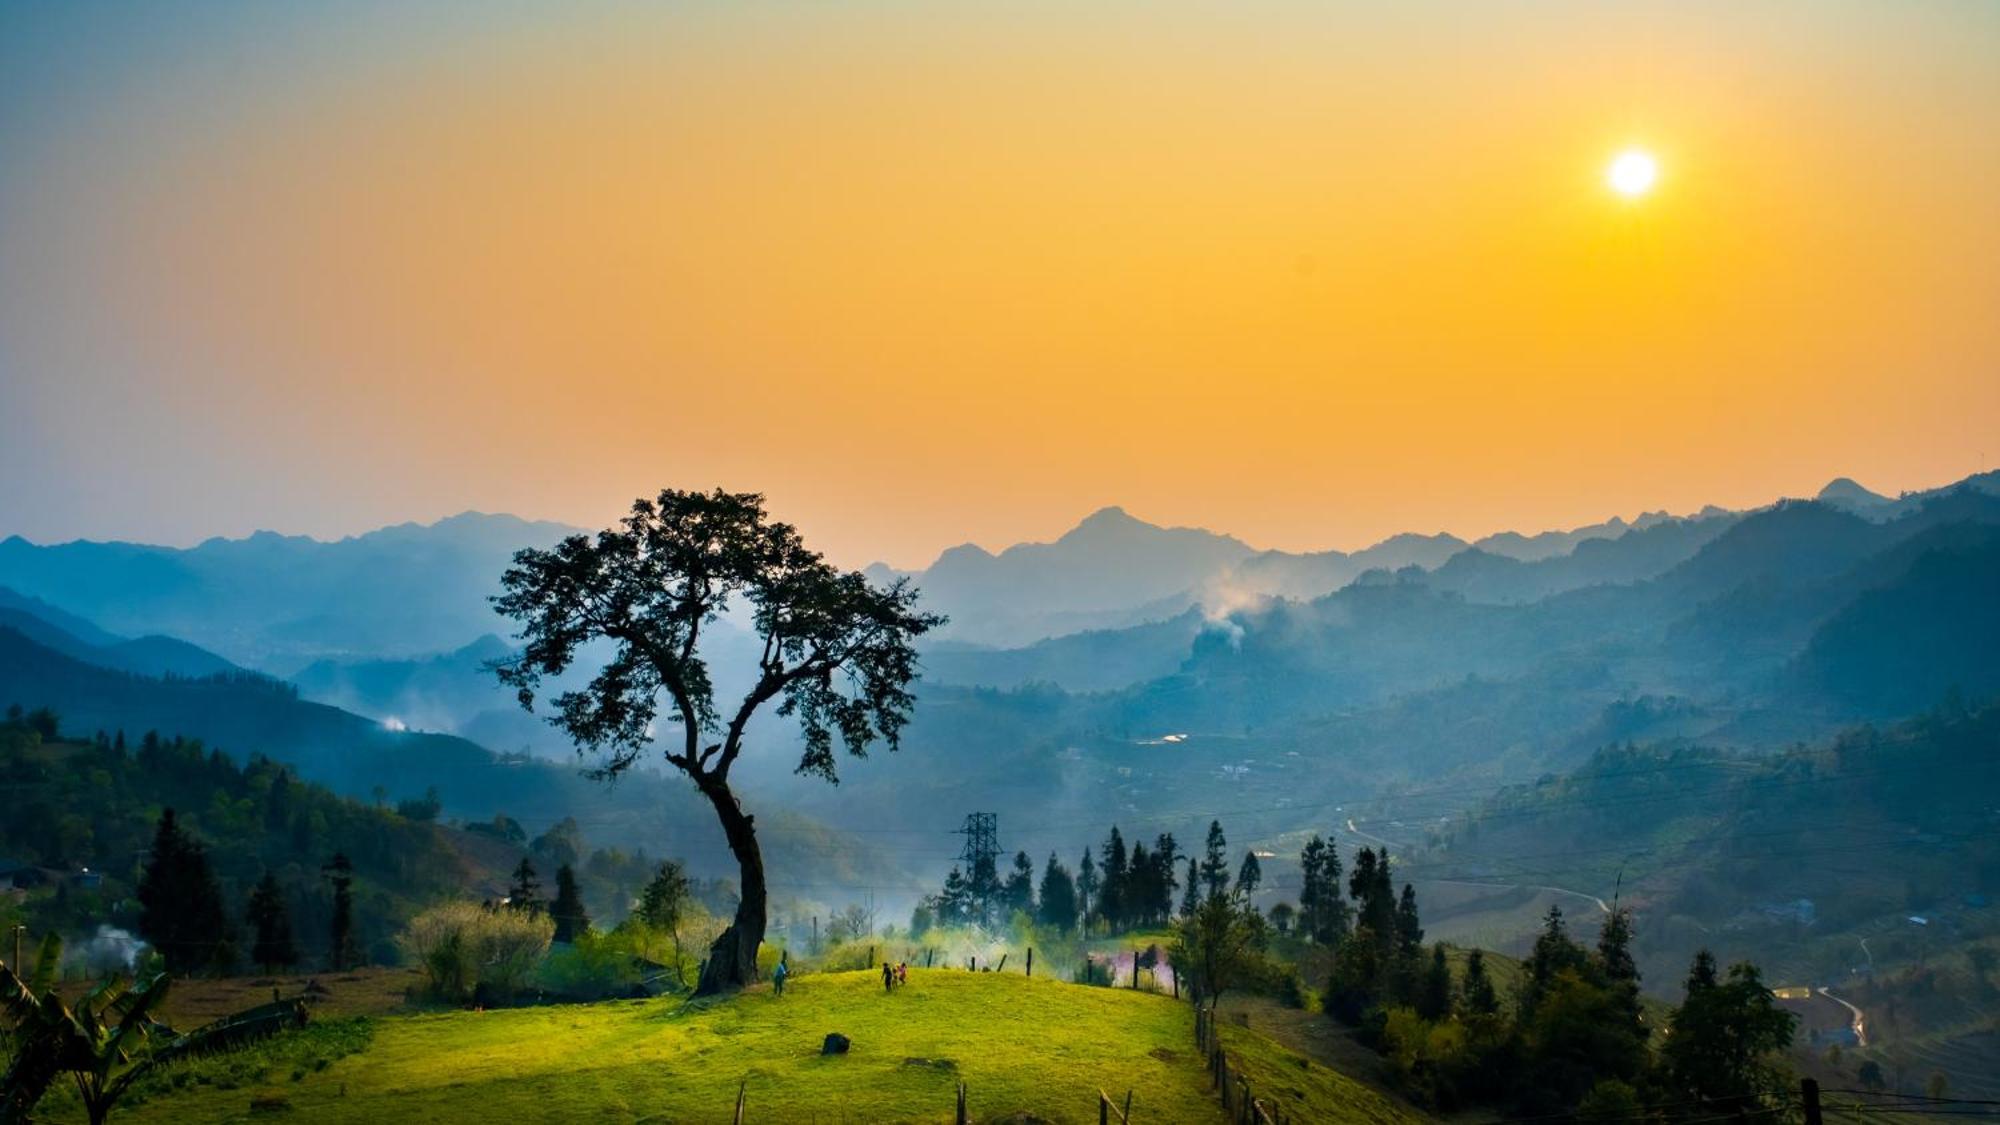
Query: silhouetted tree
[[271, 923], [1553, 953], [1020, 890], [1476, 992], [1282, 914], [1433, 999], [1086, 886], [339, 872], [1111, 887], [525, 893], [1620, 972], [567, 911], [1249, 875], [1215, 862], [1724, 1042], [1058, 906], [180, 905], [836, 653]]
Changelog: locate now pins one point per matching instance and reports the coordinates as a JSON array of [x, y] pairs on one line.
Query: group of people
[[893, 975]]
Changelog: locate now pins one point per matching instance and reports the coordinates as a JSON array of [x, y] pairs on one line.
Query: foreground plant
[[108, 1040]]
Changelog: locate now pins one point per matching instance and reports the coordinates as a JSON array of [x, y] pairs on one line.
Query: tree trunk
[[732, 960]]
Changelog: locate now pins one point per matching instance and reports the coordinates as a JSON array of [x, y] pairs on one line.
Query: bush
[[463, 948], [593, 967]]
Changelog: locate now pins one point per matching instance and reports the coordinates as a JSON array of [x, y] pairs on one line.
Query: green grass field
[[1027, 1050]]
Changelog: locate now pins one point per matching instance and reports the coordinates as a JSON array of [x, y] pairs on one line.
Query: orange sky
[[1308, 273]]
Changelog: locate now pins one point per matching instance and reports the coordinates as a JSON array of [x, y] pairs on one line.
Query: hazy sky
[[1307, 272]]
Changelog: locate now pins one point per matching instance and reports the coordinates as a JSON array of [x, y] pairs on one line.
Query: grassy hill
[[1027, 1050]]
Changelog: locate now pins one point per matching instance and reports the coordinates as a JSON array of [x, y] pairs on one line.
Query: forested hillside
[[1788, 855], [86, 813]]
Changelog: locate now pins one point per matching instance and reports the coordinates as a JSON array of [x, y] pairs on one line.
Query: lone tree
[[837, 655]]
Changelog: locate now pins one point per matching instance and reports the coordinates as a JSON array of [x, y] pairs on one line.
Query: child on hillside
[[778, 976]]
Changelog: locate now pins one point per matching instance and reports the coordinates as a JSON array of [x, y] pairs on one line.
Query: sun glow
[[1633, 173]]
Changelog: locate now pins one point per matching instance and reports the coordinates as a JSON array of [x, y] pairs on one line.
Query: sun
[[1632, 173]]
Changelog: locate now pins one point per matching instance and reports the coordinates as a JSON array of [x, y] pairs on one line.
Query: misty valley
[[1436, 827]]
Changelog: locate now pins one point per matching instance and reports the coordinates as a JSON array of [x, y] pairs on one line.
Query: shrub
[[461, 947], [592, 967]]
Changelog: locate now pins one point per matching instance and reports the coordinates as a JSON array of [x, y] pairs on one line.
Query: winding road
[[1860, 1022]]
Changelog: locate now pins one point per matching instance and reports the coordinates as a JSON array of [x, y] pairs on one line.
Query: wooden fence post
[[960, 1118], [1126, 1116], [1002, 966], [871, 956], [1103, 1108], [739, 1100], [1031, 960], [972, 964]]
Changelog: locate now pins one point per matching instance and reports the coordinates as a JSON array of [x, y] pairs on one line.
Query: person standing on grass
[[778, 976], [888, 977]]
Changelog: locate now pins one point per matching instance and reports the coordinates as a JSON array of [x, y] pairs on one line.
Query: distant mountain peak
[[964, 552], [1846, 490], [1108, 519]]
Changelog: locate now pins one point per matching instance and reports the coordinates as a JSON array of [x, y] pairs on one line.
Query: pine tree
[[526, 892], [1335, 917], [955, 906], [1191, 900], [272, 923], [1554, 952], [1375, 899], [278, 804], [1020, 891], [339, 871], [1166, 865], [1476, 991], [1086, 887], [1215, 864], [1249, 875], [1433, 999], [1111, 892], [1409, 930], [571, 919], [1138, 870], [1620, 971], [180, 903], [1312, 885], [1058, 907]]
